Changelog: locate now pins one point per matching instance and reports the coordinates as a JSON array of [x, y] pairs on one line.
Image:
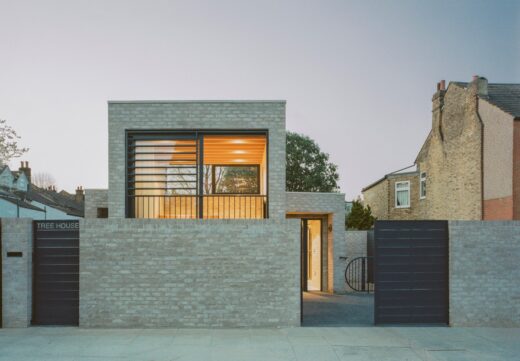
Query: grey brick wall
[[16, 272], [189, 273], [197, 115], [485, 273], [94, 199], [332, 204], [356, 243]]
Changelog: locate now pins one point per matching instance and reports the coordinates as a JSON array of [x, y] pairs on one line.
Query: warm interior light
[[226, 149]]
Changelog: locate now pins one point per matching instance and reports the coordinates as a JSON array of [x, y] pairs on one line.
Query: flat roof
[[191, 101]]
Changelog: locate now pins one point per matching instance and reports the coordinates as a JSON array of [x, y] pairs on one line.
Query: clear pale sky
[[358, 76]]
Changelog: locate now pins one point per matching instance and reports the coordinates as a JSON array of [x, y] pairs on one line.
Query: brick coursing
[[189, 273], [16, 272], [356, 243], [484, 269], [356, 246], [377, 197], [411, 212], [94, 199]]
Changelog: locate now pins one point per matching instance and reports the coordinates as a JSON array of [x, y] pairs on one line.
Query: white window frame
[[422, 177], [401, 190]]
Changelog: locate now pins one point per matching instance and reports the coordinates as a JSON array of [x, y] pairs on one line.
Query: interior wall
[[326, 246]]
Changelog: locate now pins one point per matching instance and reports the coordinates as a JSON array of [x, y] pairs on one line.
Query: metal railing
[[359, 275], [214, 206]]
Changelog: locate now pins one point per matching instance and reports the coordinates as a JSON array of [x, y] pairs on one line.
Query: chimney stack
[[80, 194], [26, 170], [481, 85], [437, 105]]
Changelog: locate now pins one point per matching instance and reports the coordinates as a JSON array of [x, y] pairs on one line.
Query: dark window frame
[[132, 135]]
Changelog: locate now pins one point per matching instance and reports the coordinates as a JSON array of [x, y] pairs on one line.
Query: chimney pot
[[25, 169], [443, 84], [80, 195]]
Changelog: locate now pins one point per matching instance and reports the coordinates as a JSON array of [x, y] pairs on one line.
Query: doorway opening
[[311, 237]]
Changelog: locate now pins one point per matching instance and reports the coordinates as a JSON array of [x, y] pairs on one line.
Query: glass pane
[[235, 179], [402, 198], [401, 185], [423, 188]]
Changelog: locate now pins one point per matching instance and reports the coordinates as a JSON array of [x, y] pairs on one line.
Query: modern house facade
[[200, 231], [469, 166]]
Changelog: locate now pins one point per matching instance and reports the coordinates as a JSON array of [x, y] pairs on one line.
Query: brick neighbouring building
[[469, 166]]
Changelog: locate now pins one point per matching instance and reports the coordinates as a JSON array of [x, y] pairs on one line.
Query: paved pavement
[[302, 343], [325, 309]]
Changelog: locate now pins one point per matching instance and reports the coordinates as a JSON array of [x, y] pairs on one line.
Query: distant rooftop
[[192, 101], [504, 96], [412, 169]]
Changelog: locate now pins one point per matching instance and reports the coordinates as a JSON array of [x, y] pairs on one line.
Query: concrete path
[[303, 343], [325, 309]]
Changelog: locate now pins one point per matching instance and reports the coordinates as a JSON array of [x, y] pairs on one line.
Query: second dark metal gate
[[411, 272], [56, 273]]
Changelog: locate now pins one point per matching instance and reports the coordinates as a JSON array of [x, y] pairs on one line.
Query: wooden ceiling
[[234, 149]]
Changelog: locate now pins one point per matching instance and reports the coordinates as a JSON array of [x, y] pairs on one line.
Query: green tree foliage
[[9, 148], [237, 180], [360, 217], [308, 168]]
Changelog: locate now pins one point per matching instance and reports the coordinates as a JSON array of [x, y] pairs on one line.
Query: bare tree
[[9, 148], [43, 180]]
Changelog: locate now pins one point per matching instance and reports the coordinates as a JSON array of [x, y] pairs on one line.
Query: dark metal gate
[[411, 272], [357, 274], [56, 273]]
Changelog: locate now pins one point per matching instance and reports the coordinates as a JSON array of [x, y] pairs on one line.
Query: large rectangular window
[[199, 174]]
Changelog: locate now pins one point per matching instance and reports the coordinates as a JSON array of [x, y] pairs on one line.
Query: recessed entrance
[[311, 255]]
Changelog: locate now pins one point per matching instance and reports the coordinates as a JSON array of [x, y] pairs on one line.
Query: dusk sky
[[358, 76]]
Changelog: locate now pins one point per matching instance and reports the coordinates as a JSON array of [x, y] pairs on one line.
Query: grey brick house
[[196, 228]]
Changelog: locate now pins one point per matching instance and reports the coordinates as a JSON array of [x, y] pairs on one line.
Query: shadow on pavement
[[350, 309]]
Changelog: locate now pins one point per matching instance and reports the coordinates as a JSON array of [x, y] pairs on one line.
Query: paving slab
[[349, 309], [277, 344]]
